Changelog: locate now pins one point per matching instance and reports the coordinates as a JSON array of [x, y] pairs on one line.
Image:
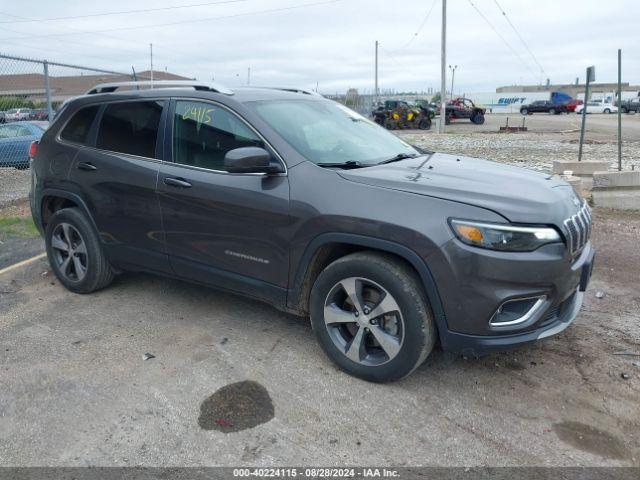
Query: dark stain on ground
[[236, 407], [590, 439]]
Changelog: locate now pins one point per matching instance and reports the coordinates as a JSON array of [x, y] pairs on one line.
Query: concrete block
[[579, 169], [620, 199], [619, 190], [625, 179], [575, 183]]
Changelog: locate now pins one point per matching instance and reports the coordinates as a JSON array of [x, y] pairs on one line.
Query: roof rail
[[295, 90], [205, 86]]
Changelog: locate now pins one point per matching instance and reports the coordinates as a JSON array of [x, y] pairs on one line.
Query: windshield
[[328, 132]]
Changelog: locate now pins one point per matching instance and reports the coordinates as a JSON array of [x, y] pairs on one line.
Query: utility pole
[[375, 90], [619, 110], [151, 56], [443, 69], [591, 77], [249, 76], [453, 75]]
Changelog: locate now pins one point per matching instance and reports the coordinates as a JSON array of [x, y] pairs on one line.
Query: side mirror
[[250, 160]]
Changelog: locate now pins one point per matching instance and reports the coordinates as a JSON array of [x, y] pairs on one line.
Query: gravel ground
[[76, 390], [536, 151]]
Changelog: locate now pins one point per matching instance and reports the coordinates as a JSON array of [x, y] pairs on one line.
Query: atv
[[398, 114], [464, 108]]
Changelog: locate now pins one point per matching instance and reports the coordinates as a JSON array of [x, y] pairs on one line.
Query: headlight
[[497, 236]]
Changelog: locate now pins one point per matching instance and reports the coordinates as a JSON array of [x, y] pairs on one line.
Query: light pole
[[443, 69], [453, 75]]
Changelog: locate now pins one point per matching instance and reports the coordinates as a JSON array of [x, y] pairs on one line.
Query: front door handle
[[89, 167], [176, 182]]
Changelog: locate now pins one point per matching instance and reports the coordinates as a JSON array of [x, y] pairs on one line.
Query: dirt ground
[[235, 382]]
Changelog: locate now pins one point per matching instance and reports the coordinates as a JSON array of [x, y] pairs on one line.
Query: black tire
[[402, 283], [524, 111], [447, 119], [390, 124], [624, 110], [606, 110], [552, 111], [98, 273], [424, 124], [477, 119]]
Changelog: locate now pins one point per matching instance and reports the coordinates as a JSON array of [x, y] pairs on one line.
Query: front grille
[[578, 229]]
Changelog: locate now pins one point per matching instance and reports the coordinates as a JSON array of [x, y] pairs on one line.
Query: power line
[[515, 52], [181, 22], [125, 12], [424, 22], [71, 42], [520, 37]]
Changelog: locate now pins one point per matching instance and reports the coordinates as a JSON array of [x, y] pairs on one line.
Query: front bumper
[[476, 345], [473, 283]]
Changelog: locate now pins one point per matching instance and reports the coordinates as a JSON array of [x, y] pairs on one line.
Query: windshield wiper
[[348, 164], [398, 157]]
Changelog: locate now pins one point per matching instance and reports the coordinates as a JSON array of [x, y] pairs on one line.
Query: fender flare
[[75, 198], [406, 253]]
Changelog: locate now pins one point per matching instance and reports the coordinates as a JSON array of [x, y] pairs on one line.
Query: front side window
[[130, 127], [77, 129], [203, 134], [327, 132]]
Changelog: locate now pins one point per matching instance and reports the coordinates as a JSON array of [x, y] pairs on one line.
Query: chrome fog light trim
[[532, 313]]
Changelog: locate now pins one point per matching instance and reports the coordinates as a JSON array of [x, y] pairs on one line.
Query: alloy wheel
[[364, 321], [69, 252]]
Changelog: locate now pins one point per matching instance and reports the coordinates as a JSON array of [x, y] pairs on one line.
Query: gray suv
[[284, 196]]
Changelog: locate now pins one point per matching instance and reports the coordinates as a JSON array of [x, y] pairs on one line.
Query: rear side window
[[130, 127], [77, 129]]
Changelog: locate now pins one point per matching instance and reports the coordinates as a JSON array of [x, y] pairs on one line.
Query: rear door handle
[[176, 182], [89, 167]]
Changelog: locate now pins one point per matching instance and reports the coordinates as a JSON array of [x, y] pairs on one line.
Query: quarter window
[[77, 129], [203, 133], [130, 127]]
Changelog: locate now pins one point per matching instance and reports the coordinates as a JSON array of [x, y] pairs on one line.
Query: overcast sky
[[332, 43]]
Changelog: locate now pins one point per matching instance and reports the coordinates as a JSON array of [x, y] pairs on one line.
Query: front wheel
[[524, 111], [75, 253], [552, 111], [424, 124], [371, 317], [477, 119], [606, 110]]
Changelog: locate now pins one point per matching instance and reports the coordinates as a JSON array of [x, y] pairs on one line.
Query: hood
[[518, 194]]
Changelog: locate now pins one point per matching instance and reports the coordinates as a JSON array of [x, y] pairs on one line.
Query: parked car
[[462, 108], [300, 202], [543, 106], [597, 106], [39, 114], [572, 105], [632, 105], [16, 114], [15, 139]]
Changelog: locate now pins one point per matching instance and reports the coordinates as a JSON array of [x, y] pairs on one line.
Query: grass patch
[[18, 227]]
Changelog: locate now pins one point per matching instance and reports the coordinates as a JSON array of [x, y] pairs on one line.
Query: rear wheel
[[75, 253], [552, 111], [390, 124], [607, 110], [624, 110], [524, 111], [371, 316]]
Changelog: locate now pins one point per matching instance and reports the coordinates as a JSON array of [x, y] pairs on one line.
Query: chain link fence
[[31, 92]]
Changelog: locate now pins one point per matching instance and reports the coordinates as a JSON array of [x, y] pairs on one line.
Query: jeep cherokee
[[290, 198]]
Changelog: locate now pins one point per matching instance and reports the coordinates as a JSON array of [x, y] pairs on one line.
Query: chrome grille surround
[[578, 229]]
